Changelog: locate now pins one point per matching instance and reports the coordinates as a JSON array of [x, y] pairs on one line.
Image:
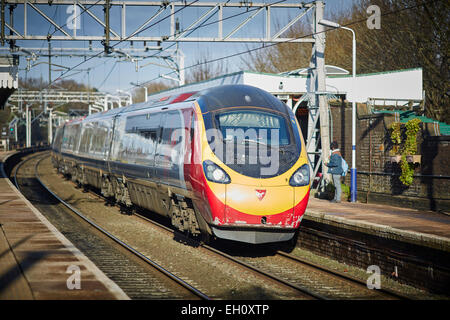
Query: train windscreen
[[256, 142], [269, 129]]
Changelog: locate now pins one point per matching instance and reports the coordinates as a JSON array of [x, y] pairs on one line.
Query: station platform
[[36, 261], [424, 228], [35, 256]]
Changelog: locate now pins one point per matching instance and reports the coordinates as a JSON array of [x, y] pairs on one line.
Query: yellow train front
[[250, 173]]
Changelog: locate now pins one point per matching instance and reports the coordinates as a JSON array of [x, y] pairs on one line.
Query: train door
[[160, 151], [170, 151]]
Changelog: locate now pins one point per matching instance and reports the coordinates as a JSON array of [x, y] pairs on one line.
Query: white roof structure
[[400, 84], [9, 67], [329, 70]]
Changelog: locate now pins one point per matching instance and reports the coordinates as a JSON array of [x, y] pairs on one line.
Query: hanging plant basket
[[415, 158]]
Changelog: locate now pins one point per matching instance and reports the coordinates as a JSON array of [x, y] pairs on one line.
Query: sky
[[110, 74]]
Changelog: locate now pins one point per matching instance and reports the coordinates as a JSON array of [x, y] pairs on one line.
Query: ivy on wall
[[405, 147]]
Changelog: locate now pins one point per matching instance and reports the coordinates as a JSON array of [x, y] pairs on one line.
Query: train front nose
[[258, 214], [259, 205]]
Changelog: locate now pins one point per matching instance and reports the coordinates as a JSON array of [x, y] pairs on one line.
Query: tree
[[413, 33], [282, 57], [40, 83], [37, 84], [204, 70], [155, 86]]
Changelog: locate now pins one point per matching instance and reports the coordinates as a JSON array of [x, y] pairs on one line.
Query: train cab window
[[263, 126]]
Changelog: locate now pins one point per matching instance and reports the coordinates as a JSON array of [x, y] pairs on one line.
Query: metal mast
[[318, 145]]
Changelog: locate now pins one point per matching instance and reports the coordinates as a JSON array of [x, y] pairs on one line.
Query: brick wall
[[418, 266], [378, 178]]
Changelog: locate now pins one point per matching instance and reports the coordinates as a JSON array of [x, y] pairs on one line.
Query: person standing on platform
[[335, 168]]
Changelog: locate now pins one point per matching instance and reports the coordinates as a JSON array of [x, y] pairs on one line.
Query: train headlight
[[214, 173], [300, 177]]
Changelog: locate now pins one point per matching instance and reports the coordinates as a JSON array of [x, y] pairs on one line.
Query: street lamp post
[[353, 183]]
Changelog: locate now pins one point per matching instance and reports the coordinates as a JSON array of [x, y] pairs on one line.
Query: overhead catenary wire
[[265, 46], [137, 31], [204, 24], [49, 36], [108, 75], [132, 34], [191, 30]]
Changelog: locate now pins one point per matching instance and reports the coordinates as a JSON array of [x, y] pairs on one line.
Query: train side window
[[64, 140], [58, 139], [149, 135], [107, 145], [105, 133], [169, 149], [117, 149], [96, 139], [101, 137], [86, 135], [70, 139], [159, 138], [75, 137], [140, 138]]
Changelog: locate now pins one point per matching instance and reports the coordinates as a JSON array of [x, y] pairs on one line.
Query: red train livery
[[228, 161]]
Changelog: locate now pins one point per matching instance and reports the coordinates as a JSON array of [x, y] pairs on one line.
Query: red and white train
[[228, 162]]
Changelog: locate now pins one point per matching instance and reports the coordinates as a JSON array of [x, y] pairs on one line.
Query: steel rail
[[240, 262], [339, 274], [217, 252], [291, 257], [109, 235], [17, 169], [267, 274], [271, 276]]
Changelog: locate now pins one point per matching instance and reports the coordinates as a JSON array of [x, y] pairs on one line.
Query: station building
[[394, 85], [389, 88]]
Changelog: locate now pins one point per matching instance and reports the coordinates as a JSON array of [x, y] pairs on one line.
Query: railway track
[[228, 258], [311, 281], [137, 275], [327, 283], [296, 291], [317, 281]]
